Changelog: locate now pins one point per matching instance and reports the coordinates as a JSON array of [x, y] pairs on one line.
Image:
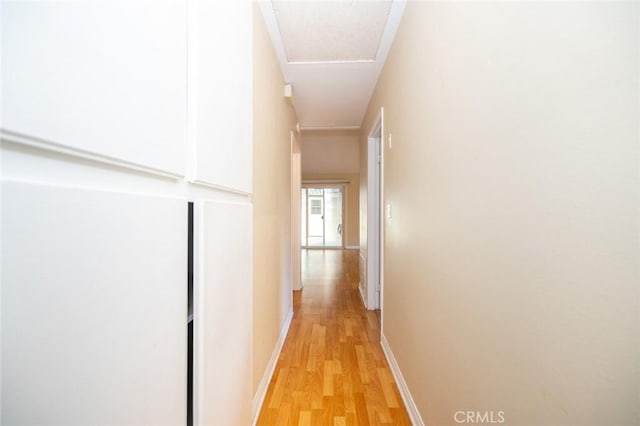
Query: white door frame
[[320, 184], [296, 184], [375, 222]]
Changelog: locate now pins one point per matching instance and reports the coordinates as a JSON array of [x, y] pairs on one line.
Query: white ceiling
[[332, 53], [331, 31]]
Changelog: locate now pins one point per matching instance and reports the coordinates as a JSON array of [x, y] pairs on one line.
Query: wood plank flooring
[[332, 370]]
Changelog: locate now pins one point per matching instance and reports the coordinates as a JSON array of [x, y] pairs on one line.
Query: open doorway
[[322, 217]]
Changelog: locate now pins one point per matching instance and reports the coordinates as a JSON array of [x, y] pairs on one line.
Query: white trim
[[261, 392], [363, 274], [315, 182], [198, 312], [46, 145], [364, 301], [382, 219], [375, 224], [409, 403], [204, 183], [352, 247], [296, 214], [390, 29], [333, 62], [273, 29], [311, 128]]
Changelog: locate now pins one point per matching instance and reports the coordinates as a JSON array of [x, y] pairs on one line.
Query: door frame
[[296, 225], [375, 217], [342, 187]]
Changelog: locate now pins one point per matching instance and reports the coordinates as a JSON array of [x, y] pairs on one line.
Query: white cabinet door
[[94, 301], [221, 89], [223, 314], [98, 77]]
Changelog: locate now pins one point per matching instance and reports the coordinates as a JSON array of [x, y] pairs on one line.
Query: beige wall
[[335, 154], [511, 269], [351, 203], [330, 151], [274, 119]]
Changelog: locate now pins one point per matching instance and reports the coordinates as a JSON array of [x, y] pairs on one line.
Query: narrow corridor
[[332, 369]]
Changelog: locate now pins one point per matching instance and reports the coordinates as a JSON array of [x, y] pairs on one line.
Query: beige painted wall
[[330, 151], [273, 121], [334, 154], [512, 257], [351, 203]]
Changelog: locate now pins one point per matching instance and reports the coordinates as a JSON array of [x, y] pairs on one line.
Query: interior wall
[[335, 154], [330, 151], [274, 118], [351, 203], [511, 256]]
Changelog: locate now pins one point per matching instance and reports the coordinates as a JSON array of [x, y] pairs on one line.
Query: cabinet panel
[[223, 93], [223, 314], [94, 307], [106, 78]]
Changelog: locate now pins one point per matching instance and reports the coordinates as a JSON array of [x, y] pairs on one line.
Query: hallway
[[332, 369]]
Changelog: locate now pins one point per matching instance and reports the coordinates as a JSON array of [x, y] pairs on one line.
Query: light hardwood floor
[[332, 370]]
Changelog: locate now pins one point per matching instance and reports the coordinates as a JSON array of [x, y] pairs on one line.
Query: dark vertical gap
[[190, 317]]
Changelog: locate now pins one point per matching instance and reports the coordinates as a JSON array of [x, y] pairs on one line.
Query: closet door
[[223, 313], [98, 78], [93, 307], [221, 92]]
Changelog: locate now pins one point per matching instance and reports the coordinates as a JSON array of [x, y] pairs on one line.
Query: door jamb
[[296, 225], [375, 217]]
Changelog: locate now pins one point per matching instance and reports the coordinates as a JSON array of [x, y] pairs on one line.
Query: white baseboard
[[352, 247], [409, 403], [258, 398]]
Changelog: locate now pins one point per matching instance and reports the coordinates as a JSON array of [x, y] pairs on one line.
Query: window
[[316, 206]]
